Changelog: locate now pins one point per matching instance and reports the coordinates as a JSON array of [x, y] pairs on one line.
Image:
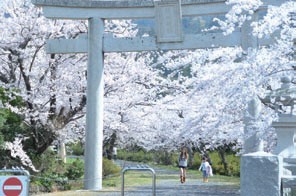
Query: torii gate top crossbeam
[[127, 9], [122, 9], [112, 3]]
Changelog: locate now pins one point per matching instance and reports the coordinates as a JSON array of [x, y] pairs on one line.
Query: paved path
[[165, 188], [190, 188]]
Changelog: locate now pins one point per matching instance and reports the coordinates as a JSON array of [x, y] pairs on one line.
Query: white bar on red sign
[[12, 187]]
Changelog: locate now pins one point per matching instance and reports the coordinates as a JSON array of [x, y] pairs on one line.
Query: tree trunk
[[221, 152], [191, 155], [111, 146]]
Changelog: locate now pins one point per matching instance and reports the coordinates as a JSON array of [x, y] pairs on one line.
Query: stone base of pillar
[[261, 174], [285, 129]]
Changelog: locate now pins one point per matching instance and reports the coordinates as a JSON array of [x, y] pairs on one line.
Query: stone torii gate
[[168, 15]]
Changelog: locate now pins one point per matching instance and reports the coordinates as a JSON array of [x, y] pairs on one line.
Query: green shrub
[[75, 170], [48, 162], [51, 173], [234, 165], [76, 149], [109, 168], [1, 140], [142, 156], [49, 181], [217, 165], [139, 156], [165, 158], [196, 161]]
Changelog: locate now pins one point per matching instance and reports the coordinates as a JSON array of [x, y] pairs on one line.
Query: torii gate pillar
[[93, 165]]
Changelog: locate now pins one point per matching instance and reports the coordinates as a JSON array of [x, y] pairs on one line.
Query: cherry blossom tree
[[149, 99], [51, 102], [222, 81], [53, 86], [225, 79]]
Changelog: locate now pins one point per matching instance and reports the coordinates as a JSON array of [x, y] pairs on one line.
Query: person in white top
[[114, 153], [206, 169], [183, 158]]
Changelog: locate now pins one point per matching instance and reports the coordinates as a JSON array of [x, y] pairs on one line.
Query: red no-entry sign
[[12, 187]]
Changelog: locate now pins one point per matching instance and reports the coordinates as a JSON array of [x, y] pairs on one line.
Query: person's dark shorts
[[182, 167]]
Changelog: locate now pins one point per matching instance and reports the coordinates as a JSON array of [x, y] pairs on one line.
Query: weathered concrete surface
[[285, 129], [261, 174]]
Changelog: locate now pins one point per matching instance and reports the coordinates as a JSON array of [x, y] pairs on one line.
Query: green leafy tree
[[11, 125]]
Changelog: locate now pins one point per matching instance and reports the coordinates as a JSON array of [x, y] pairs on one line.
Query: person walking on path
[[114, 153], [206, 169], [183, 159]]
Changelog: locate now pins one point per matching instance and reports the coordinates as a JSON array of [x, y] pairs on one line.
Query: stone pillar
[[252, 139], [285, 129], [260, 174], [63, 153], [94, 110]]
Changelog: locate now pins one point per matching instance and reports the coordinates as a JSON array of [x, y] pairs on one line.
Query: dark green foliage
[[136, 156], [75, 170], [234, 165], [1, 140], [218, 168], [159, 157], [11, 97], [50, 182], [165, 158], [54, 174], [37, 136], [109, 168], [11, 125], [51, 171], [48, 162], [76, 149]]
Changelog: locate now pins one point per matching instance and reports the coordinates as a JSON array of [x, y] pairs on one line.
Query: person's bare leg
[[181, 175], [184, 175]]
